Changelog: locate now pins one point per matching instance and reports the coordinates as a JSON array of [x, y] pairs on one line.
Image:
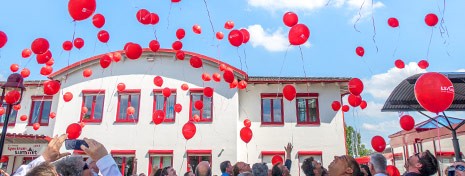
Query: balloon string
[[359, 16], [397, 44], [69, 53], [367, 66], [282, 66], [429, 44], [209, 17], [327, 3], [303, 67], [245, 60], [183, 158], [374, 27], [240, 58], [247, 148], [168, 17], [443, 28]]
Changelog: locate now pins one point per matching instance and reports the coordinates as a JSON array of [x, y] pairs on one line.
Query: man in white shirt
[[377, 164]]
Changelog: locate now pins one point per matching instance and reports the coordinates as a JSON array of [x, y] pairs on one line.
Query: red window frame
[[306, 97], [309, 154], [39, 118], [126, 92], [159, 92], [161, 153], [12, 111], [191, 104], [93, 93], [198, 153], [122, 153], [272, 95]]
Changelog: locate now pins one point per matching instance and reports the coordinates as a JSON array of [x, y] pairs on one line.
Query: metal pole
[[5, 127], [455, 142]]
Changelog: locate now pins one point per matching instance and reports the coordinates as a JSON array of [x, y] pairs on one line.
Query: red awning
[[363, 160]]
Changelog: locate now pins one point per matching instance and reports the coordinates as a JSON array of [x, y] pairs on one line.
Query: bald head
[[203, 169]]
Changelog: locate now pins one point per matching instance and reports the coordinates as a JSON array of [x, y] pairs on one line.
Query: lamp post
[[14, 82]]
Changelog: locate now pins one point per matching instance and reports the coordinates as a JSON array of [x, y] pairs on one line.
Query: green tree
[[354, 145]]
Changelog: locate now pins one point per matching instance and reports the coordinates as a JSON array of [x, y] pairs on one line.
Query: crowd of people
[[54, 163]]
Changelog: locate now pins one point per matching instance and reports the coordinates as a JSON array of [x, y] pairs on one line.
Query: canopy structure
[[402, 98]]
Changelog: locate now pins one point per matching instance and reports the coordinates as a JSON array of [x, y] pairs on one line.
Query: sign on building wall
[[24, 149]]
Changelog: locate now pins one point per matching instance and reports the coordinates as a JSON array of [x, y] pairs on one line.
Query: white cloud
[[274, 41], [461, 70], [362, 11], [386, 126]]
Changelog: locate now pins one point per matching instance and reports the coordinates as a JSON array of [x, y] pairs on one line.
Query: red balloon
[[363, 104], [175, 1], [50, 62], [180, 55], [219, 35], [26, 53], [229, 24], [25, 72], [166, 92], [360, 51], [12, 97], [67, 45], [17, 107], [74, 130], [434, 92], [158, 81], [158, 117], [35, 126], [121, 87], [2, 111], [407, 122], [4, 159], [3, 39], [236, 38], [78, 43], [378, 143], [423, 64], [393, 22], [299, 34], [222, 67], [198, 104], [184, 87], [84, 110], [51, 87], [81, 9], [216, 77], [98, 20], [143, 16], [177, 45], [44, 58], [246, 134], [290, 19], [242, 84], [206, 77], [188, 130], [196, 118], [228, 76], [336, 105], [103, 36], [345, 108], [208, 92], [276, 159], [180, 33], [197, 29], [431, 19], [354, 100], [247, 123], [133, 51], [105, 61], [245, 35], [130, 110], [40, 46], [154, 45], [23, 118], [46, 70], [87, 72], [399, 64], [68, 96], [116, 56], [52, 115], [392, 170], [177, 108], [196, 62], [14, 67], [355, 86], [233, 84], [154, 18], [289, 92]]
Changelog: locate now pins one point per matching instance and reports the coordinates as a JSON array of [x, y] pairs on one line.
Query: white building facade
[[308, 121]]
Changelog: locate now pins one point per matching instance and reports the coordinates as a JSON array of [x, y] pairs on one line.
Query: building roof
[[430, 124], [402, 98], [19, 138], [268, 79]]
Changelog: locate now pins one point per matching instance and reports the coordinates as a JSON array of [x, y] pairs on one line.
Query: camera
[[74, 144]]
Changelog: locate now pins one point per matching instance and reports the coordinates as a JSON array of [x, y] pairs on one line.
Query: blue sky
[[330, 51]]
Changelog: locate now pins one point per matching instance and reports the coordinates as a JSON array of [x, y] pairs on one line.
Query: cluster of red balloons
[[246, 133], [238, 37], [299, 33], [434, 92], [145, 17]]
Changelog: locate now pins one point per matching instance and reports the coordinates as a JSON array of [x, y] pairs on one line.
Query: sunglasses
[[460, 168]]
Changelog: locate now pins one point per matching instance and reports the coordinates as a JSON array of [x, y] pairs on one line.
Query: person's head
[[276, 170], [203, 169], [71, 166], [43, 169], [158, 172], [260, 169], [168, 171], [142, 174], [189, 173], [307, 167], [226, 166], [365, 170], [459, 168], [241, 167], [377, 163], [318, 170], [424, 163], [246, 174], [344, 165]]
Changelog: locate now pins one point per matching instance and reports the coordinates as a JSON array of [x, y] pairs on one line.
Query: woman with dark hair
[[365, 170], [307, 166]]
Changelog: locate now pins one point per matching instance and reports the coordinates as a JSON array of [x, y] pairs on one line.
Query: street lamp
[[14, 82]]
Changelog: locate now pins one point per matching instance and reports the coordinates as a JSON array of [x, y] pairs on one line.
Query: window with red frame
[[12, 119], [128, 99], [125, 164], [194, 158], [272, 109], [165, 103], [40, 111], [307, 109], [206, 113], [160, 160], [93, 101]]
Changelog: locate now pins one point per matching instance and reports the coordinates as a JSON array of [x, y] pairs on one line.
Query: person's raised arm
[[288, 150], [105, 163]]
